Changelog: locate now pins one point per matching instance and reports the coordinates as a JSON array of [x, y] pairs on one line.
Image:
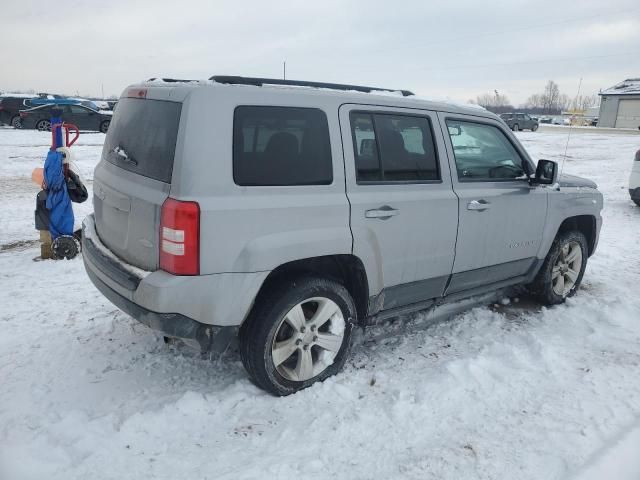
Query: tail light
[[180, 237]]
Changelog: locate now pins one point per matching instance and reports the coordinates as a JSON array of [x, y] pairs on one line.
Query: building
[[620, 105]]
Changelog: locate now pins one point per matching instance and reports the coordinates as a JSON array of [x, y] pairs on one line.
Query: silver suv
[[287, 213]]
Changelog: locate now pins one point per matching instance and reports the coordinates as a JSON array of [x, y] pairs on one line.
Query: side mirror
[[455, 130], [546, 173]]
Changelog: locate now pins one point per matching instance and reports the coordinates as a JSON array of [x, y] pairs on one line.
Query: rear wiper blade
[[123, 155]]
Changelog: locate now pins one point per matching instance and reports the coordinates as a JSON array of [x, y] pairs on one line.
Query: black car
[[84, 118], [519, 121], [10, 107]]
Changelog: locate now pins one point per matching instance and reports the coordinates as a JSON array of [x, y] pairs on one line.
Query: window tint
[[77, 109], [281, 146], [393, 148], [483, 152], [142, 137], [365, 149]]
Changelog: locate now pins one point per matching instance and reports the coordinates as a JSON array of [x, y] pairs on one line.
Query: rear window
[[275, 146], [142, 137]]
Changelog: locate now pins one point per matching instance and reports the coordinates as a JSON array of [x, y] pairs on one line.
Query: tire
[[43, 126], [272, 320], [535, 127], [553, 283], [637, 202], [16, 122], [515, 127], [104, 126]]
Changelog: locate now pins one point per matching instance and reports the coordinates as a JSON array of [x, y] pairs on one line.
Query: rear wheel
[[43, 126], [298, 333], [104, 126], [16, 122], [562, 270], [516, 127]]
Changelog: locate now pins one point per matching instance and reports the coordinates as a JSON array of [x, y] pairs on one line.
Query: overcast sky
[[441, 49]]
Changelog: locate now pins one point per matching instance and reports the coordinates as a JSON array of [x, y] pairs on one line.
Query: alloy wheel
[[44, 126], [566, 270], [308, 339]]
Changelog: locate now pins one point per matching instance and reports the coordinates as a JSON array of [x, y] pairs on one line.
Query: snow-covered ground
[[501, 392]]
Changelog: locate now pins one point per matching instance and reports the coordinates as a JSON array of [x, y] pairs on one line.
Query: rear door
[[501, 216], [133, 178], [403, 210]]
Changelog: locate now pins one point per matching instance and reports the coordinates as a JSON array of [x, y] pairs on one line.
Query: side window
[[76, 109], [365, 149], [393, 148], [281, 146], [483, 152]]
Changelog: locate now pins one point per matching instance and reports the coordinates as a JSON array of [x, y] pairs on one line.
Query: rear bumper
[[635, 194], [178, 306]]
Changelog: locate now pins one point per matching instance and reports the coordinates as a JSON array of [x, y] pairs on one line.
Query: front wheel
[[535, 127], [562, 270], [104, 126], [298, 333]]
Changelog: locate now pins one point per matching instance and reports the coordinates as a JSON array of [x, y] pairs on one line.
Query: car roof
[[180, 89]]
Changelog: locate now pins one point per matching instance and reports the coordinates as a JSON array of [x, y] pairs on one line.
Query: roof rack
[[171, 80], [236, 80]]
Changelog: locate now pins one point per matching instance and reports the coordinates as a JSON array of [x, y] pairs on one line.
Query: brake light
[[137, 93], [180, 237]]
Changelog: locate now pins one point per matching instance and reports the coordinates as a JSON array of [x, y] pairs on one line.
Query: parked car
[[10, 106], [634, 180], [287, 216], [84, 118], [544, 120], [520, 121]]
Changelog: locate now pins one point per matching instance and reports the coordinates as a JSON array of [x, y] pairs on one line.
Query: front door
[[501, 216], [84, 118], [404, 214]]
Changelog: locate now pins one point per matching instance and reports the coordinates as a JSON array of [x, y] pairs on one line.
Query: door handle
[[383, 213], [479, 205]]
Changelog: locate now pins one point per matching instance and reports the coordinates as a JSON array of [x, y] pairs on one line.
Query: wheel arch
[[346, 269], [586, 224]]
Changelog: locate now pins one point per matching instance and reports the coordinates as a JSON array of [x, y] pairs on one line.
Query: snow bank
[[508, 391]]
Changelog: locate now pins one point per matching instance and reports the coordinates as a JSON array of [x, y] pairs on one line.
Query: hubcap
[[44, 126], [308, 339], [564, 274]]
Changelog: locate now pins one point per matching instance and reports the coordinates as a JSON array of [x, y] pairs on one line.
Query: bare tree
[[551, 97], [583, 102], [534, 101], [493, 101]]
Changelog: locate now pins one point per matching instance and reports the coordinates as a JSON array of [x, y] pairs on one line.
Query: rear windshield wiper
[[123, 155]]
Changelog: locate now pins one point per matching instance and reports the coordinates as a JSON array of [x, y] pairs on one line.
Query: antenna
[[566, 147]]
